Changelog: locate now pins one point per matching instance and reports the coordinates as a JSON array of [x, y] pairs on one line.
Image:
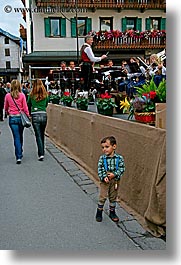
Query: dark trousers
[[39, 122], [1, 113], [86, 73]]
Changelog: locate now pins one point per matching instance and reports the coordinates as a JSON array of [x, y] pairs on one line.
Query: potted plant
[[54, 99], [105, 104], [142, 105], [66, 99], [82, 103]]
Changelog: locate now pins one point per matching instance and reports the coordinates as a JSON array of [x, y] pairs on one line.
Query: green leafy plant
[[161, 91], [147, 87], [146, 97], [54, 98], [82, 103], [150, 88], [66, 98], [105, 102]]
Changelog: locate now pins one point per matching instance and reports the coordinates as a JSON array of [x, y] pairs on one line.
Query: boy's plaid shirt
[[111, 163]]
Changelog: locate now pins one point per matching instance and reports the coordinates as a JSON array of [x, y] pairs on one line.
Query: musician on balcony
[[87, 61]]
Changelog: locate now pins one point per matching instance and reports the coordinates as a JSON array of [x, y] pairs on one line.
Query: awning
[[49, 56]]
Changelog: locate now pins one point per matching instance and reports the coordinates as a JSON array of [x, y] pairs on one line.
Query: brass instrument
[[161, 55]]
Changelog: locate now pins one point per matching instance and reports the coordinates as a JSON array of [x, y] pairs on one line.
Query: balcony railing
[[93, 4], [130, 43], [129, 40]]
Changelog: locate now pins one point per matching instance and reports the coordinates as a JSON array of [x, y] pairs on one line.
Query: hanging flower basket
[[145, 117]]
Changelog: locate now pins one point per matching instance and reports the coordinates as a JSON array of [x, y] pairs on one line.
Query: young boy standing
[[110, 168]]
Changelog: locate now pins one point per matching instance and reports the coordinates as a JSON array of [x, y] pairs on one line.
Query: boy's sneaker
[[18, 161], [41, 158], [99, 215]]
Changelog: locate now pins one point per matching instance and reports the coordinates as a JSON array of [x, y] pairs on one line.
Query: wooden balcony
[[113, 4], [116, 40], [130, 43]]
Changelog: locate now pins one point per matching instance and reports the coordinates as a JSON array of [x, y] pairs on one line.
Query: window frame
[[8, 65], [106, 18], [6, 40], [7, 52], [61, 27]]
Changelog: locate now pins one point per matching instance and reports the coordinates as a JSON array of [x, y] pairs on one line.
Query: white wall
[[14, 53]]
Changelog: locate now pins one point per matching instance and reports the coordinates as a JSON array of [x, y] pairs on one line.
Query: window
[[81, 25], [8, 65], [155, 23], [55, 27], [84, 26], [131, 23], [106, 23], [134, 23], [7, 52], [6, 40]]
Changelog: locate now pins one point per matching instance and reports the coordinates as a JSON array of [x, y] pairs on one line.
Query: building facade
[[56, 29], [11, 56]]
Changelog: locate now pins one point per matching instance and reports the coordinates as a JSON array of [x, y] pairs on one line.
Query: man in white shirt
[[88, 59]]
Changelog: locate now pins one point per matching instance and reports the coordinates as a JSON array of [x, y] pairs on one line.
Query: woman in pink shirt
[[14, 116]]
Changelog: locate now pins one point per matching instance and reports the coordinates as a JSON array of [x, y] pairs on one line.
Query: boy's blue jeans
[[17, 131]]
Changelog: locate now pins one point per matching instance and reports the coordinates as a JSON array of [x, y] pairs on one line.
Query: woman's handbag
[[24, 118]]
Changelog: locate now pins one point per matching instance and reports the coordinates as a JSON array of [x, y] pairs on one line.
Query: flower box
[[145, 117]]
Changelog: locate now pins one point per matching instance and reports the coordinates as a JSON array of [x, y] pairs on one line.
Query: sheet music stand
[[134, 67]]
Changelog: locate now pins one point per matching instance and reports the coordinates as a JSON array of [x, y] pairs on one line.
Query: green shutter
[[47, 27], [63, 27], [148, 24], [163, 24], [88, 25], [139, 24], [124, 22], [73, 27]]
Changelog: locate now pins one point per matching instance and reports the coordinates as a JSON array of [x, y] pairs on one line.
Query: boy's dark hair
[[112, 140]]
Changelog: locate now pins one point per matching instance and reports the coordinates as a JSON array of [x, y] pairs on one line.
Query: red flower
[[146, 95], [152, 94], [106, 95], [66, 94]]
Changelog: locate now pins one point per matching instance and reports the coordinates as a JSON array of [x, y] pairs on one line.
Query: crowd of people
[[102, 74], [84, 77]]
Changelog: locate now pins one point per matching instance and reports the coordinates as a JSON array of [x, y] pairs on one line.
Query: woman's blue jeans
[[39, 122], [17, 131]]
